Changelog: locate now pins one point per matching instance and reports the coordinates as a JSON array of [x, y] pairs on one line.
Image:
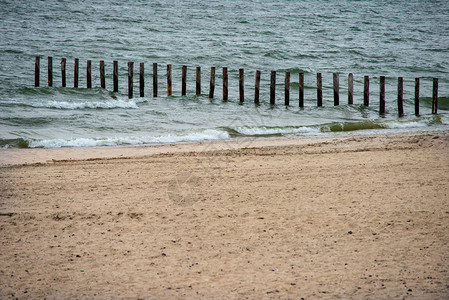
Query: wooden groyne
[[241, 72]]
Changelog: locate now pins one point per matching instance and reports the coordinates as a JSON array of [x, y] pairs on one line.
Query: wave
[[73, 105], [275, 131], [67, 98], [391, 124], [337, 127], [236, 132], [13, 143], [352, 126], [205, 135]]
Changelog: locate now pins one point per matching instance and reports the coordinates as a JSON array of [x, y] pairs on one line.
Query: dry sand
[[347, 217]]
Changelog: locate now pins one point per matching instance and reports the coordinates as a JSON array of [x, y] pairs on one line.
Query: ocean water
[[408, 39]]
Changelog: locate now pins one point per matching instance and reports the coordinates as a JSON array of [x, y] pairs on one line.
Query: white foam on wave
[[106, 104], [281, 130], [445, 120], [404, 125], [209, 134], [109, 104]]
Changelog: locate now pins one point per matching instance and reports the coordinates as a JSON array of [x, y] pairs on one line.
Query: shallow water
[[375, 38]]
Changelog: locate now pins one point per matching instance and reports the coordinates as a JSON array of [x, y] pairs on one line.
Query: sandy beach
[[334, 217]]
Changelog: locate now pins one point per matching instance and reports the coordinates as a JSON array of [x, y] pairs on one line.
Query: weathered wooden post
[[417, 96], [102, 77], [435, 96], [198, 81], [400, 96], [37, 71], [212, 82], [336, 89], [89, 74], [76, 73], [382, 95], [319, 89], [50, 71], [241, 85], [287, 89], [142, 79], [115, 75], [154, 79], [130, 79], [169, 88], [63, 73], [225, 83], [273, 88], [366, 91], [257, 88], [350, 88], [184, 81], [301, 90]]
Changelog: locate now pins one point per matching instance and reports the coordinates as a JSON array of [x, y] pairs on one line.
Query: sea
[[401, 38]]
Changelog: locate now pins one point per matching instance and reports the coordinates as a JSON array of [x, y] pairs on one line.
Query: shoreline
[[19, 156]]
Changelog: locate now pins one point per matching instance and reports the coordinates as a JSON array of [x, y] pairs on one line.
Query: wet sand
[[345, 217]]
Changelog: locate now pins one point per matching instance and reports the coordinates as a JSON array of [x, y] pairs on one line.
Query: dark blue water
[[409, 39]]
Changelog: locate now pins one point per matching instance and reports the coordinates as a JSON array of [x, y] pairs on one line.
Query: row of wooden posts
[[241, 84]]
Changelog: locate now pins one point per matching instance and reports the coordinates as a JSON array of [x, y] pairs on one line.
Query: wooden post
[[350, 88], [212, 82], [37, 71], [184, 81], [400, 96], [382, 95], [301, 89], [366, 91], [50, 71], [115, 75], [130, 79], [102, 77], [75, 73], [89, 74], [225, 83], [273, 88], [336, 89], [241, 85], [287, 89], [435, 96], [417, 96], [319, 89], [169, 91], [154, 79], [257, 88], [198, 81], [142, 80], [63, 73]]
